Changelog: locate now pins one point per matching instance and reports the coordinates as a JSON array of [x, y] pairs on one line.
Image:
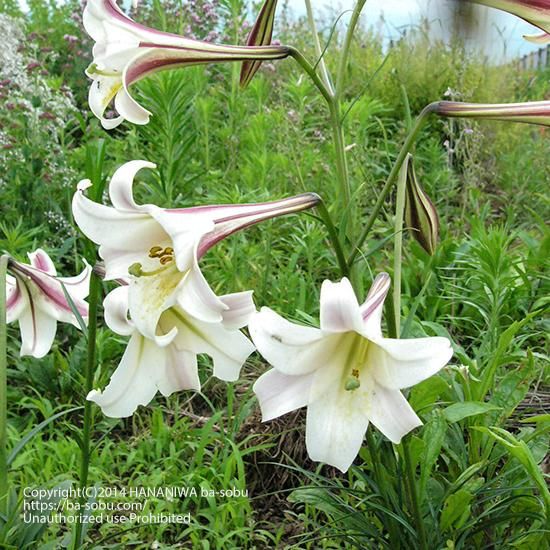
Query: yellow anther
[[155, 252], [168, 251], [166, 260]]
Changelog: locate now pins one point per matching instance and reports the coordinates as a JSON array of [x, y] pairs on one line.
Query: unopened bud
[[420, 213], [260, 35]]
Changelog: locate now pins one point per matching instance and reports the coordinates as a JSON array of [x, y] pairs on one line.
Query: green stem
[[411, 478], [346, 47], [394, 333], [339, 148], [3, 390], [398, 244], [409, 142], [334, 239], [318, 51], [312, 73], [336, 124], [95, 287]]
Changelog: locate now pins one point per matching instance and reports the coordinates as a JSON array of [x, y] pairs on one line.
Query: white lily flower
[[126, 52], [35, 298], [159, 249], [535, 12], [346, 372], [148, 367]]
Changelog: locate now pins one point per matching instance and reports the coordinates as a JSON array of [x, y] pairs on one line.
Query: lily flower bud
[[420, 213], [260, 35]]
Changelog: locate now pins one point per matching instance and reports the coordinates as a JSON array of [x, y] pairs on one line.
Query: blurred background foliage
[[486, 287]]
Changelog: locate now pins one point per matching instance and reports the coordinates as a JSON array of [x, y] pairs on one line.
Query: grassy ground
[[214, 143]]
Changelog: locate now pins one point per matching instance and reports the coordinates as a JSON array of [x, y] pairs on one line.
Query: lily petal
[[398, 364], [339, 308], [279, 393], [40, 260], [531, 112], [390, 412], [135, 381], [240, 308], [122, 184], [336, 419], [149, 297], [79, 285], [290, 348], [185, 228], [197, 299], [37, 331], [16, 299], [124, 237], [229, 219], [129, 108], [182, 372], [228, 349], [372, 307], [46, 293], [543, 38], [102, 91], [115, 311], [535, 12]]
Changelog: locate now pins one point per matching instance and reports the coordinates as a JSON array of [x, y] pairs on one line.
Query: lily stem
[[85, 447], [395, 305], [335, 120], [3, 390], [334, 239], [409, 142], [312, 73], [340, 151], [339, 147]]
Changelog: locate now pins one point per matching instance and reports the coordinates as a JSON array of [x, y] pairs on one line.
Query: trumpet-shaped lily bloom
[[159, 249], [147, 367], [346, 372], [531, 112], [126, 52], [535, 12], [35, 298]]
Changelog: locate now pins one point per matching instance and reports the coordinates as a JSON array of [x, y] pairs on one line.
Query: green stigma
[[352, 384]]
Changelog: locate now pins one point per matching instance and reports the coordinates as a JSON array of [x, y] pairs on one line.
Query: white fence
[[539, 59]]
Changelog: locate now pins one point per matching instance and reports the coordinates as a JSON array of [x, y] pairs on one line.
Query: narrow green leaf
[[519, 450], [37, 429], [459, 411], [456, 510], [74, 309]]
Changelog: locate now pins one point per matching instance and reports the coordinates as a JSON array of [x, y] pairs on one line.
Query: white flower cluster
[[33, 115]]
